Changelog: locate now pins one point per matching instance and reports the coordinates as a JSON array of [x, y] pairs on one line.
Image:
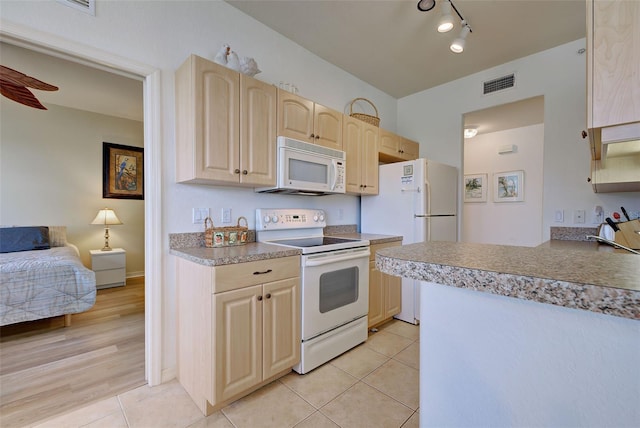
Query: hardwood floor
[[48, 369]]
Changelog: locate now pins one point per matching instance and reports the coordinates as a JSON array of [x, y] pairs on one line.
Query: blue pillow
[[14, 239]]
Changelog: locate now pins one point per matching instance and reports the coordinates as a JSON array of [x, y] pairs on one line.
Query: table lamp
[[106, 217]]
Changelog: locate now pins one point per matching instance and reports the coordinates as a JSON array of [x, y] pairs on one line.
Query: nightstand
[[110, 267]]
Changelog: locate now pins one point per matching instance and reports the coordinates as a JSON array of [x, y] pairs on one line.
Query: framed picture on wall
[[508, 186], [122, 171], [475, 187]]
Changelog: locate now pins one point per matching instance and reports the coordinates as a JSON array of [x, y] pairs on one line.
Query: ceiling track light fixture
[[457, 46], [446, 22]]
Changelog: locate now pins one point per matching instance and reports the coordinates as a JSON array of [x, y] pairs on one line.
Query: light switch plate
[[226, 215], [578, 216], [199, 214]]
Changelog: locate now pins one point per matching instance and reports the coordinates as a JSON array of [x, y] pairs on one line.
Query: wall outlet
[[578, 216], [226, 215], [559, 216], [199, 214]]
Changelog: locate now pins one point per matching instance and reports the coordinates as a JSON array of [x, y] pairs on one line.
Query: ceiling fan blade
[[20, 94], [21, 79]]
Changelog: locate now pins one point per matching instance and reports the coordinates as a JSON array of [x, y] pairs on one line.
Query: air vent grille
[[86, 6], [499, 84]]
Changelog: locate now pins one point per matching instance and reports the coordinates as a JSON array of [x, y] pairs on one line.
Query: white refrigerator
[[418, 201]]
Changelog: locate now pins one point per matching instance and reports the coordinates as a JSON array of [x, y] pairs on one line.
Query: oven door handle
[[333, 259]]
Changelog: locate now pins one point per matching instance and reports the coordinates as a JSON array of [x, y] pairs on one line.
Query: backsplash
[[340, 229], [196, 239], [572, 233]]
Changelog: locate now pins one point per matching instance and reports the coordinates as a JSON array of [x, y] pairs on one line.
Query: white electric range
[[334, 275]]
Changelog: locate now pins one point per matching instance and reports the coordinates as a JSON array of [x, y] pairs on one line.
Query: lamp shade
[[106, 217]]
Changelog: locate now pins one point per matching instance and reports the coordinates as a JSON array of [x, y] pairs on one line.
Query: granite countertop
[[250, 252], [190, 246], [598, 281]]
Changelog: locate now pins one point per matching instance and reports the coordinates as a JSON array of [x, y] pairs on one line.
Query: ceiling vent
[[499, 84], [86, 6]]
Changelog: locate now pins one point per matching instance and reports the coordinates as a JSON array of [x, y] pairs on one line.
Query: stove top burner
[[315, 241]]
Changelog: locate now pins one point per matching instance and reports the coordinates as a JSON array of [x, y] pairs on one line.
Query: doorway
[[74, 51], [508, 148]]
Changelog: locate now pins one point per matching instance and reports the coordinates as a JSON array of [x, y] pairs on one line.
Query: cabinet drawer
[[110, 276], [109, 261], [232, 277]]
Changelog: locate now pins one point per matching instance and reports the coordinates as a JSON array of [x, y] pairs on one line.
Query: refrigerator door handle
[[432, 215]]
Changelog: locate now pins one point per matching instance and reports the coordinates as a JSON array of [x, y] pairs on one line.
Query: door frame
[[56, 46]]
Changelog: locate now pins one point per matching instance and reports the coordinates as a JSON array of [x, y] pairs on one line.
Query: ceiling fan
[[14, 84]]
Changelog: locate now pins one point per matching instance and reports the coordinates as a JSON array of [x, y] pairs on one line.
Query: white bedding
[[44, 283]]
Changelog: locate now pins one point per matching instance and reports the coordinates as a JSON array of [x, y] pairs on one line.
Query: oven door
[[335, 289]]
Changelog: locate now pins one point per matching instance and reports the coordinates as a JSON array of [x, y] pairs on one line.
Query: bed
[[42, 276]]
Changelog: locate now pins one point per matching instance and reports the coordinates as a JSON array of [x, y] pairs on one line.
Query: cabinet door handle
[[312, 136], [584, 134], [317, 137], [268, 296], [259, 298], [263, 272], [236, 171], [245, 172]]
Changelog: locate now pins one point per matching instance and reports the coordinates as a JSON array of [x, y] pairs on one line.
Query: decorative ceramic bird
[[233, 62], [14, 84], [249, 66], [221, 56]]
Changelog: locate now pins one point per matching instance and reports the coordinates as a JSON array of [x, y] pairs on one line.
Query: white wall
[[435, 118], [162, 35], [51, 175], [488, 360], [505, 223]]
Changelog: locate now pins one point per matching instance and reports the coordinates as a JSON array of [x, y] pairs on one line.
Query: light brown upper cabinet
[[304, 120], [613, 58], [361, 147], [395, 148], [225, 126], [613, 94]]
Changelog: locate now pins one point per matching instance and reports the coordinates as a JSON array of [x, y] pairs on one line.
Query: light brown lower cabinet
[[385, 291], [238, 327]]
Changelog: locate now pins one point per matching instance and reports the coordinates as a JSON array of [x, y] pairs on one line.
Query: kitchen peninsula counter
[[513, 336], [557, 274]]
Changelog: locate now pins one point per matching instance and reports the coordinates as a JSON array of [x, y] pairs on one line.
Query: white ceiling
[[387, 43], [79, 86], [396, 48]]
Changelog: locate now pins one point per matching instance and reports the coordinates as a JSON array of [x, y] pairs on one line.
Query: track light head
[[446, 21], [457, 46], [426, 5]]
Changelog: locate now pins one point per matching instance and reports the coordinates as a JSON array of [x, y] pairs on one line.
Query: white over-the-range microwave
[[307, 169]]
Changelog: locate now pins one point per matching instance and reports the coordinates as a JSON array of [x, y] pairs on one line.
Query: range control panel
[[289, 218]]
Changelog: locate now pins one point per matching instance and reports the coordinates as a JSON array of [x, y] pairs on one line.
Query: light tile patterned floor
[[373, 385]]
